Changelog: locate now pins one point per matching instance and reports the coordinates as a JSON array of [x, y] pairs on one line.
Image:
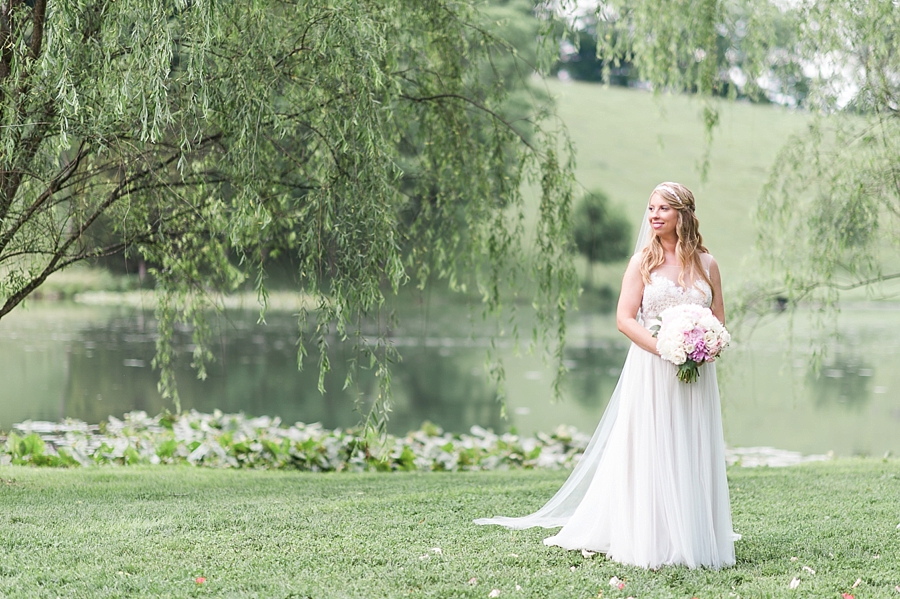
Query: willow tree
[[830, 213], [201, 135]]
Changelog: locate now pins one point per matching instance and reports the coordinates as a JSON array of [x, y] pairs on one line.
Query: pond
[[62, 360]]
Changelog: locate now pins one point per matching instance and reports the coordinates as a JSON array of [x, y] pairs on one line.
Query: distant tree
[[202, 136], [601, 231]]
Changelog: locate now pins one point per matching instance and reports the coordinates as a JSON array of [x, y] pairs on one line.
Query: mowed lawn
[[153, 531]]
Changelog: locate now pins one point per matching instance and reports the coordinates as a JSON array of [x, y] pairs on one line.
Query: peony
[[689, 335]]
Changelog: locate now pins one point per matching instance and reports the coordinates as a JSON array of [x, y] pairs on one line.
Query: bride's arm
[[718, 305], [629, 304]]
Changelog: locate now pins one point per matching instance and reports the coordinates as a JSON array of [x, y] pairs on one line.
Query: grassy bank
[[151, 532]]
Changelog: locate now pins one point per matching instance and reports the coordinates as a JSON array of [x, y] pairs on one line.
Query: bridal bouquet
[[689, 336]]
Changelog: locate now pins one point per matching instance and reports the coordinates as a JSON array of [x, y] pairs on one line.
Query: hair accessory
[[667, 189]]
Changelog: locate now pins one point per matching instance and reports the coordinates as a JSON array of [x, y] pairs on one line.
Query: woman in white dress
[[650, 489]]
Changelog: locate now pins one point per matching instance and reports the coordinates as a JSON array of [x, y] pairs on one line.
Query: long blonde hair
[[690, 242]]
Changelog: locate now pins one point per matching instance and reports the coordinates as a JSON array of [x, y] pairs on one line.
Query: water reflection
[[103, 367], [844, 380], [90, 363], [594, 371], [445, 386]]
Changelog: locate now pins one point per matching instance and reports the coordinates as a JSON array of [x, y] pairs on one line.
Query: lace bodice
[[662, 292]]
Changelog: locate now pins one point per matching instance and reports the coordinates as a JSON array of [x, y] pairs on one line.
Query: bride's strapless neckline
[[663, 292]]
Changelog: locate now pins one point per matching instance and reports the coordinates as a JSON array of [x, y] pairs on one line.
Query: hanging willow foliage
[[829, 216], [830, 213], [374, 141]]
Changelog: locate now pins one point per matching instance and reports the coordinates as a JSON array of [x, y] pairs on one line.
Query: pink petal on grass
[[795, 582], [199, 580], [846, 596]]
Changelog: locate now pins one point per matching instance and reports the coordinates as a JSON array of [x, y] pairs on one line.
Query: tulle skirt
[[651, 489]]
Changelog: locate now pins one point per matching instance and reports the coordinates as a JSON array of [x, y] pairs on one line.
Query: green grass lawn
[[152, 531]]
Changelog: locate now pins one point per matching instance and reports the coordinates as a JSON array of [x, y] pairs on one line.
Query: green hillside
[[628, 141]]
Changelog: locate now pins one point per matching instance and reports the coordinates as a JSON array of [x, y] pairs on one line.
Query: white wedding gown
[[651, 488]]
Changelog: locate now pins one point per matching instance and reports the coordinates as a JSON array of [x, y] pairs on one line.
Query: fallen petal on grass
[[793, 559], [437, 550], [572, 568], [808, 569], [200, 580], [795, 582], [846, 596], [857, 583], [614, 581], [587, 554], [518, 587], [473, 581], [494, 593]]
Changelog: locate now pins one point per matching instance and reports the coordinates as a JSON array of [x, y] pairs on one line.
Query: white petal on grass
[[572, 568], [437, 550], [426, 556], [795, 582], [494, 593], [857, 583], [473, 581], [808, 569], [518, 587], [793, 559], [587, 554]]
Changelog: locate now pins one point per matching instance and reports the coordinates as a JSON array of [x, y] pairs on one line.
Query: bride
[[650, 489]]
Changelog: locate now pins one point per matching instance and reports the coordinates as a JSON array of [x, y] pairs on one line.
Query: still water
[[67, 360]]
